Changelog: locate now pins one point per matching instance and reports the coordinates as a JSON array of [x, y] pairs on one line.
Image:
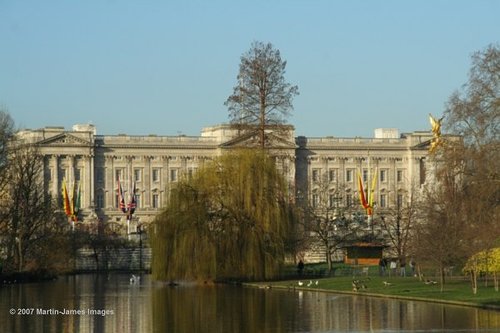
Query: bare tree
[[462, 208], [6, 133], [442, 236], [29, 222], [474, 113], [328, 218], [398, 223], [262, 99]]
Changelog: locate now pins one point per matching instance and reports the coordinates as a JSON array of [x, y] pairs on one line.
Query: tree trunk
[[262, 126], [441, 277], [20, 256], [473, 280], [329, 260]]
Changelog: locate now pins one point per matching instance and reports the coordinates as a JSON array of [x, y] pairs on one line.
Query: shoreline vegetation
[[457, 289]]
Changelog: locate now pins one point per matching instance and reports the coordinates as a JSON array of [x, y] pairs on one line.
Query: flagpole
[[128, 227], [370, 194], [129, 215]]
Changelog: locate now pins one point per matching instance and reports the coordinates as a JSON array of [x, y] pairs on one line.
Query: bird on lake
[[135, 279], [300, 283]]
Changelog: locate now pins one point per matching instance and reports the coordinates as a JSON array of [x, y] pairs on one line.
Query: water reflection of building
[[155, 163]]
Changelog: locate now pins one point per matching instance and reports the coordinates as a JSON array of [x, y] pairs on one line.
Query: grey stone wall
[[126, 259]]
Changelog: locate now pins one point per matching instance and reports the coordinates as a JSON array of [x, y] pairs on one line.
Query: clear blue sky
[[166, 67]]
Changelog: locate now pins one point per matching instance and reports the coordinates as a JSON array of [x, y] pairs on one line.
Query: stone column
[[87, 182], [147, 182], [165, 181], [109, 181], [55, 176], [71, 170], [92, 181]]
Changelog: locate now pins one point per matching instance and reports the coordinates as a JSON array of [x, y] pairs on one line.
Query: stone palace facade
[[155, 163]]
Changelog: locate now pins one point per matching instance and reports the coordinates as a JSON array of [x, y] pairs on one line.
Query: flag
[[362, 198], [78, 199], [121, 199], [76, 202], [371, 190], [366, 201], [132, 204], [66, 202]]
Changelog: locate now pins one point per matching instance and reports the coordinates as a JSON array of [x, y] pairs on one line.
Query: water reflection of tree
[[221, 309]]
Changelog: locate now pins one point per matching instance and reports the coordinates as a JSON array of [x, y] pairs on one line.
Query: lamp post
[[139, 231]]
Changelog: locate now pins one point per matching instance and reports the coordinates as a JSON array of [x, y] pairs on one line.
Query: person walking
[[402, 266], [382, 266]]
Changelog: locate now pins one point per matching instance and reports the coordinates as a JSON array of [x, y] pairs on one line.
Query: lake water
[[109, 303]]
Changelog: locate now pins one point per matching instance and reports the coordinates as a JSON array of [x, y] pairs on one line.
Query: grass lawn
[[456, 290]]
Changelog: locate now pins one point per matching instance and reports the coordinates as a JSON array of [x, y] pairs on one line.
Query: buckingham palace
[[153, 164]]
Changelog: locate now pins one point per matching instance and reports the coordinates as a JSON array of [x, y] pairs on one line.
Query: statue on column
[[436, 132]]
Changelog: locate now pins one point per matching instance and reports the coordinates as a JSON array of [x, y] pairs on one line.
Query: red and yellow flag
[[367, 201], [66, 202]]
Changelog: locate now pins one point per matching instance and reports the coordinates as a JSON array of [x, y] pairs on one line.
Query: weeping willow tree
[[231, 220]]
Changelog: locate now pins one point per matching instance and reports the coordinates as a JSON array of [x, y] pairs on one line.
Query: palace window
[[137, 175], [315, 200], [383, 200], [138, 200], [399, 200], [315, 175], [383, 175], [349, 175], [365, 175], [156, 200], [190, 173], [332, 200], [332, 175], [348, 200], [399, 176], [118, 174], [173, 175], [156, 175]]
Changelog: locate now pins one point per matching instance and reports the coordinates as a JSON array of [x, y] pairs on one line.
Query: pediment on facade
[[423, 145], [251, 139], [64, 139]]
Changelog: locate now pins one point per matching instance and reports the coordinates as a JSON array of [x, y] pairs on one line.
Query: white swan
[[135, 279]]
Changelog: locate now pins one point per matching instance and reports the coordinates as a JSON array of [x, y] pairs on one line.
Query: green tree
[[262, 99], [483, 262], [229, 221]]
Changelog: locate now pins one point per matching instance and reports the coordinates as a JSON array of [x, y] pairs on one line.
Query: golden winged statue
[[436, 125], [436, 131]]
